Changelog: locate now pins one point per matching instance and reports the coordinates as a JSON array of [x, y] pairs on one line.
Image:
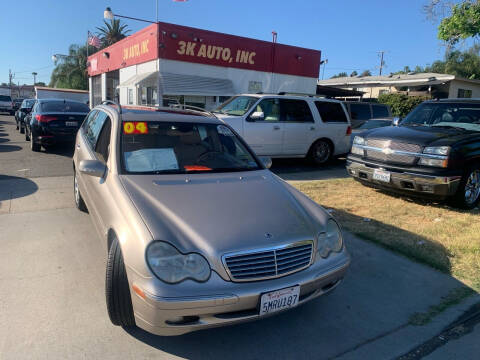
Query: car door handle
[[276, 127], [312, 128]]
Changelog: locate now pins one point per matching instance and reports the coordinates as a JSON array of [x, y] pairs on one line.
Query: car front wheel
[[117, 291], [468, 193]]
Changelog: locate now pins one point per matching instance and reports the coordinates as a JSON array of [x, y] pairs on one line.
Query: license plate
[[279, 300], [71, 123], [381, 175]]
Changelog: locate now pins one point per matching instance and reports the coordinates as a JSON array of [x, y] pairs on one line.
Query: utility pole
[[10, 77], [382, 64], [34, 78]]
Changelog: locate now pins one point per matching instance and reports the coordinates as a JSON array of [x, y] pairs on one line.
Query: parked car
[[199, 232], [22, 112], [6, 104], [289, 126], [54, 121], [434, 152], [362, 111], [16, 103]]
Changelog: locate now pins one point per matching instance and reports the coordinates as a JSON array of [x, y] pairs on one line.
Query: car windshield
[[179, 147], [27, 104], [372, 124], [64, 106], [5, 98], [237, 105], [449, 115]]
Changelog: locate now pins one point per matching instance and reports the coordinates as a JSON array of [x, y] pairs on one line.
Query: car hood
[[214, 214], [421, 135], [235, 122]]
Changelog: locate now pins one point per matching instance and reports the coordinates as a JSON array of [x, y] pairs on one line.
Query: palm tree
[[71, 71], [112, 32]]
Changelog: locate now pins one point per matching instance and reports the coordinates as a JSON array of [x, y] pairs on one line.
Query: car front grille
[[392, 145], [269, 263]]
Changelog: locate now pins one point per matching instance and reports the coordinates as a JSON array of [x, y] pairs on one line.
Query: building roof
[[412, 79], [62, 90]]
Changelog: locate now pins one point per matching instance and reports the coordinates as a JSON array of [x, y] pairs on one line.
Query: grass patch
[[434, 234], [454, 297]]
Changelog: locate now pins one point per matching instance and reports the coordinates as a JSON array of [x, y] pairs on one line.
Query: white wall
[[459, 84]]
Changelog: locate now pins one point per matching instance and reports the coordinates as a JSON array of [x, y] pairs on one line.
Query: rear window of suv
[[64, 106], [5, 98], [360, 111], [380, 111], [331, 111]]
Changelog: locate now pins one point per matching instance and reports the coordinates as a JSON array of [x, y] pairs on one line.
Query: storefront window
[[130, 96]]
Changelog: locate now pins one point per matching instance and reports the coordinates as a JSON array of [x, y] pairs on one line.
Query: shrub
[[401, 104]]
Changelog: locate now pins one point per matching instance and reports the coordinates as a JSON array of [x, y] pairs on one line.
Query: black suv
[[434, 152]]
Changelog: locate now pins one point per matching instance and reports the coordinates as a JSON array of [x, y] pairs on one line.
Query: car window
[[161, 147], [380, 111], [26, 104], [102, 147], [64, 106], [331, 111], [237, 105], [93, 128], [295, 111], [270, 109], [5, 98], [360, 111]]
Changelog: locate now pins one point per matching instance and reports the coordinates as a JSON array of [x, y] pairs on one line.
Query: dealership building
[[166, 63]]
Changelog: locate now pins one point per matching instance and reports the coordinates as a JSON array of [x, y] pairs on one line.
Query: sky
[[349, 33]]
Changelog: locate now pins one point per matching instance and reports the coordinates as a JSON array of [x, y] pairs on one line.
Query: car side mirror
[[396, 121], [257, 115], [266, 161], [92, 167]]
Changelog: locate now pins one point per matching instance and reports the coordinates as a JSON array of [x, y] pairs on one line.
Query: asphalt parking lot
[[52, 268]]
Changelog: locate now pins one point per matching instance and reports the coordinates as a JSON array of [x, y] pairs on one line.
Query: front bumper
[[218, 302], [406, 182]]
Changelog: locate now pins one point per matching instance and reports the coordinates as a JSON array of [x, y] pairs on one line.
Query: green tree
[[354, 73], [71, 72], [112, 32], [464, 64], [463, 22], [401, 104], [366, 73], [339, 75]]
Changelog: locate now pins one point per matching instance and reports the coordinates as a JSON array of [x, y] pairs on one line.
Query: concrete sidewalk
[[52, 305]]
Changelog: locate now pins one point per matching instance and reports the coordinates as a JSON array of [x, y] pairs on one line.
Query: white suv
[[6, 104], [284, 126]]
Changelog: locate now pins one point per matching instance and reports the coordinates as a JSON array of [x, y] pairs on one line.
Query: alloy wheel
[[472, 187], [322, 152]]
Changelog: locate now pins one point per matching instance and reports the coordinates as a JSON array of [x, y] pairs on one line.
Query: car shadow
[[380, 293], [3, 134], [9, 148], [13, 187], [3, 140], [304, 170]]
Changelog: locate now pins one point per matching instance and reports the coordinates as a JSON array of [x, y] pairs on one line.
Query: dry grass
[[444, 238]]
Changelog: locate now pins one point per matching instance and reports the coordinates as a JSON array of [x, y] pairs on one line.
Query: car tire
[[33, 145], [117, 290], [27, 137], [321, 152], [22, 129], [79, 202], [468, 192], [17, 126]]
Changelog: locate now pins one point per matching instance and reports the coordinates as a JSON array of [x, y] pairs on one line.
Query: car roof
[[60, 100], [457, 100], [292, 96], [165, 115]]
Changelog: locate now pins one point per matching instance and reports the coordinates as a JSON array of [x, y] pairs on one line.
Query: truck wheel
[[117, 291], [468, 193], [79, 203], [320, 152]]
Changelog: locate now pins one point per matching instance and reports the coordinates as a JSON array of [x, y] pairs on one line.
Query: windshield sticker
[[148, 160], [135, 127], [223, 130]]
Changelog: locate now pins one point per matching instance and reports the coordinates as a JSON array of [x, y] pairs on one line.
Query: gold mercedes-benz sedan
[[199, 232]]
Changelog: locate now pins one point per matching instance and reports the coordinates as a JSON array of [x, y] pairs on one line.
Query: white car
[[6, 104], [283, 126]]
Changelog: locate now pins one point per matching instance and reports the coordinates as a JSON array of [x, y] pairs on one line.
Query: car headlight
[[171, 266], [357, 150], [330, 240], [437, 150], [358, 140]]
